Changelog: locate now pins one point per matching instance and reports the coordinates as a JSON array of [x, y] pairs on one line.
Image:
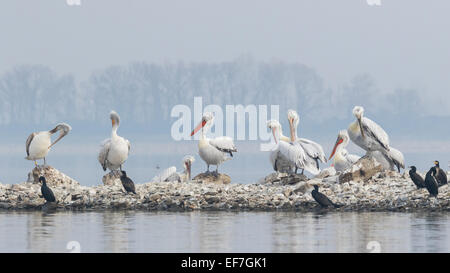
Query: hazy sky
[[402, 43]]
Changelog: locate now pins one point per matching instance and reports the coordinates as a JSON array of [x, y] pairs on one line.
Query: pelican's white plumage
[[114, 151], [213, 151], [342, 159], [170, 174], [280, 163], [366, 133], [39, 143], [391, 160], [313, 151]]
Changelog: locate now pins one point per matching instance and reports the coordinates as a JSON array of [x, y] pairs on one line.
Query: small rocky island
[[363, 188]]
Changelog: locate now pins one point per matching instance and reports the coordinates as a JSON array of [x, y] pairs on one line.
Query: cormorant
[[431, 183], [322, 199], [441, 176], [127, 183], [46, 191], [416, 178]]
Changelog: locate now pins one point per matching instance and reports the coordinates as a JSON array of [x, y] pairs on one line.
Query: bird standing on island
[[322, 199], [280, 162], [46, 191], [127, 183], [313, 151], [213, 151], [372, 138], [441, 176], [170, 174], [431, 183], [38, 144], [416, 178], [114, 151], [342, 159]]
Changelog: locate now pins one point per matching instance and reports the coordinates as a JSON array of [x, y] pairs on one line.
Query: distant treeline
[[145, 92]]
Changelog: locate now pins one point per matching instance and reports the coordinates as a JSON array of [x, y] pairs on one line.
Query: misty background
[[74, 64]]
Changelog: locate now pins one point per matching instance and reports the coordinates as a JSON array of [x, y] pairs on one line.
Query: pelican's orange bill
[[338, 142], [199, 126]]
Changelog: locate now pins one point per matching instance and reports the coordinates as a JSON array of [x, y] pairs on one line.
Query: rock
[[54, 177], [362, 170], [303, 188], [211, 178], [330, 171], [284, 179], [112, 179]]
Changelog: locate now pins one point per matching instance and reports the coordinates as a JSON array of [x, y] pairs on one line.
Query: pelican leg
[[45, 162], [303, 170], [296, 170], [207, 169], [216, 172]]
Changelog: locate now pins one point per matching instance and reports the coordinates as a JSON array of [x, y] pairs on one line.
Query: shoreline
[[388, 194]]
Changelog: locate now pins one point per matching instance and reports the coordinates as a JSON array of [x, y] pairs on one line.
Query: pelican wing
[[224, 144], [27, 145], [164, 175], [352, 158], [376, 132], [397, 157], [103, 153], [313, 149]]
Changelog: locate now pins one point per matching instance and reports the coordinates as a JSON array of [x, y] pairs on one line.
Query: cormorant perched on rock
[[431, 183], [416, 178], [127, 183], [46, 191], [441, 176], [322, 199]]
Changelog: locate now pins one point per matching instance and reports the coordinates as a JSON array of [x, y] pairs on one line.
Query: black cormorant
[[441, 176], [322, 199], [127, 183], [416, 178], [430, 182], [46, 191]]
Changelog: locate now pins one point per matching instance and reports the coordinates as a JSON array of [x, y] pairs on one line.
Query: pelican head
[[115, 118], [275, 127], [358, 112], [342, 139], [207, 119], [63, 129], [293, 119], [187, 164]]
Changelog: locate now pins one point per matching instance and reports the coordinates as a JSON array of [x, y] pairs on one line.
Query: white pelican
[[367, 134], [292, 152], [170, 174], [313, 151], [279, 162], [38, 144], [389, 160], [342, 159], [213, 151], [114, 151]]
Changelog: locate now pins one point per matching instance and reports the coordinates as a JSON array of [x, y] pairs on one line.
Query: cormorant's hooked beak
[[199, 126], [338, 142], [360, 127]]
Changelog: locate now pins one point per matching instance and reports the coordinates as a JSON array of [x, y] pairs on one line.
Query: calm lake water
[[223, 232]]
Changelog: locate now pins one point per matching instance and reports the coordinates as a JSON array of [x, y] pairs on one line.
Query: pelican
[[342, 159], [293, 152], [313, 151], [213, 151], [114, 151], [279, 162], [170, 174], [367, 134], [38, 144]]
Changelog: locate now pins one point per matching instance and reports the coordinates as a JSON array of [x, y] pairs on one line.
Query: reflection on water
[[223, 232]]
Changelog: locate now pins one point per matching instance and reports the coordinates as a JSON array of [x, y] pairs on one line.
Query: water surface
[[129, 231]]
